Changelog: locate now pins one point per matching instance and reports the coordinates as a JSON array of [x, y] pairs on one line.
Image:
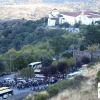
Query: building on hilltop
[[84, 17]]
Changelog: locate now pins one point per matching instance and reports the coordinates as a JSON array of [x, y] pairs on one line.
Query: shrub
[[79, 78], [40, 96], [85, 59], [64, 84], [91, 64], [98, 77], [78, 64], [29, 98], [52, 90]]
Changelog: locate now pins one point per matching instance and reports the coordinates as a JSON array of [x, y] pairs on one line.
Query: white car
[[9, 80], [21, 80]]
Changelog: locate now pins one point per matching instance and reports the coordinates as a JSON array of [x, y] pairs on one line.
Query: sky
[[50, 1]]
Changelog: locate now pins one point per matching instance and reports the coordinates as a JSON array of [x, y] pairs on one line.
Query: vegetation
[[27, 73], [85, 59], [98, 77], [64, 84], [2, 67], [19, 63], [40, 96], [31, 42]]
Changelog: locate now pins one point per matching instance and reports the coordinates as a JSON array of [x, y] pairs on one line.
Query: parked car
[[9, 80], [21, 80]]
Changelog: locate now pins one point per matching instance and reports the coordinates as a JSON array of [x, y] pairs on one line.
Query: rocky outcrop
[[11, 24]]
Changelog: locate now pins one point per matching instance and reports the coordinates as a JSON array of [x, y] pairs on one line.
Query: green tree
[[76, 25], [66, 25], [7, 32], [27, 73], [18, 63], [78, 64], [2, 67], [85, 59], [58, 44], [92, 36], [53, 70], [46, 61], [62, 67], [82, 47], [45, 71], [31, 59]]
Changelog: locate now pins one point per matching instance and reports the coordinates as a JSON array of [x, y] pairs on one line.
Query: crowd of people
[[34, 84]]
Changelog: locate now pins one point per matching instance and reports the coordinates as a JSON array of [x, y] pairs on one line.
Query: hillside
[[36, 11], [87, 91]]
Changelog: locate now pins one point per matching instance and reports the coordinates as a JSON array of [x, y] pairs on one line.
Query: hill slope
[[87, 91]]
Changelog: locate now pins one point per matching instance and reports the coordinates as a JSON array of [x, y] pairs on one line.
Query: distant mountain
[[62, 1], [52, 1]]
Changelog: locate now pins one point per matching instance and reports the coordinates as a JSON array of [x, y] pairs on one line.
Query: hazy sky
[[55, 1]]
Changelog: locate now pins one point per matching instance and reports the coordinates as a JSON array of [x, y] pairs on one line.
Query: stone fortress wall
[[93, 55]]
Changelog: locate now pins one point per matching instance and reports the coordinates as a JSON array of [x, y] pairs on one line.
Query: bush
[[65, 84], [78, 64], [98, 77], [79, 78], [91, 64], [52, 90], [85, 59], [40, 96]]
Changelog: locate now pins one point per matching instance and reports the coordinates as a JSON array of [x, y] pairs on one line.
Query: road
[[17, 91]]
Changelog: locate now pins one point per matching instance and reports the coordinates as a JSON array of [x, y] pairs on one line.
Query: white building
[[84, 17]]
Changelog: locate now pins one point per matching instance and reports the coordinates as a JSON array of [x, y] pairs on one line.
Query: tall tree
[[53, 70], [19, 63], [58, 43], [85, 59], [2, 67], [27, 73], [92, 35], [62, 67]]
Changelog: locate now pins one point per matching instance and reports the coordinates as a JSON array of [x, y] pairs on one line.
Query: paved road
[[16, 91]]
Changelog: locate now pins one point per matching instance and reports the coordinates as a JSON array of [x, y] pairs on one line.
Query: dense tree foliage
[[19, 63], [27, 73], [92, 35], [76, 25], [28, 33], [2, 67], [66, 25], [45, 71], [78, 64], [34, 43], [46, 60], [85, 59], [62, 67], [53, 70]]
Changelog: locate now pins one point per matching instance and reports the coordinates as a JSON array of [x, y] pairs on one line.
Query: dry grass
[[87, 91]]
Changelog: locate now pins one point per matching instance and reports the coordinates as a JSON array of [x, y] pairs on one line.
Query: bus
[[35, 65], [5, 92]]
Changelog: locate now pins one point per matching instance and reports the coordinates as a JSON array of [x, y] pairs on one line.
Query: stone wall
[[92, 55]]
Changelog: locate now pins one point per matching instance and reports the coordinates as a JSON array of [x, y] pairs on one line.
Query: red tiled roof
[[73, 14], [89, 14]]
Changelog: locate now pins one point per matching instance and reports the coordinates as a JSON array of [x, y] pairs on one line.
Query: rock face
[[11, 24]]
